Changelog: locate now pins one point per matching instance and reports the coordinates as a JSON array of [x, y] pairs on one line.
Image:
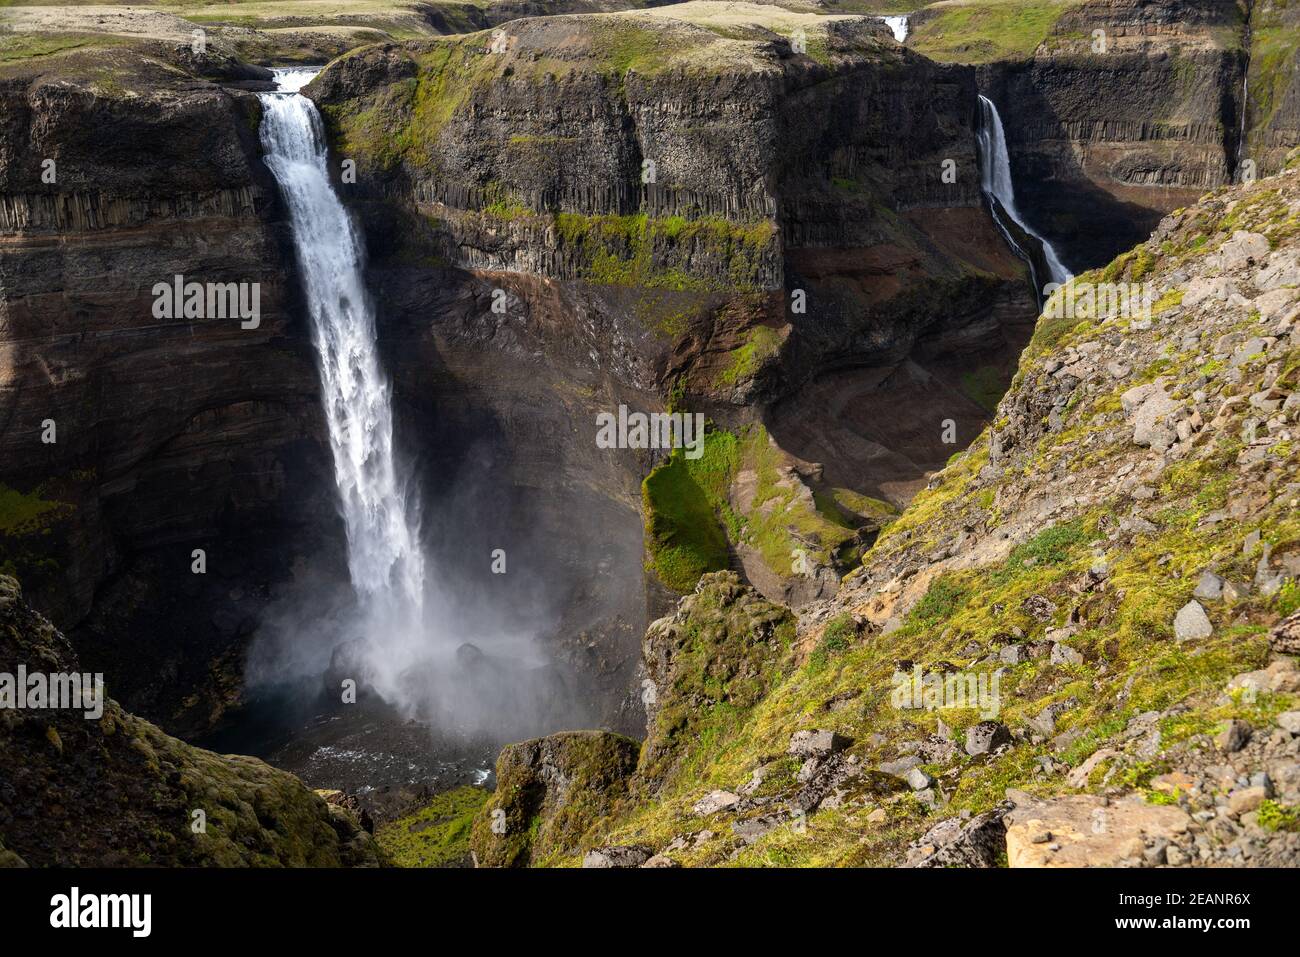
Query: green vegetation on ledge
[[24, 514], [682, 501], [761, 343], [437, 835], [695, 511], [658, 252]]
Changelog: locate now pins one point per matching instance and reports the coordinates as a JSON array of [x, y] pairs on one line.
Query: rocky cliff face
[[729, 209], [130, 440], [675, 180], [1132, 132], [1272, 84], [544, 127], [550, 792], [114, 791], [1117, 112], [1101, 595]]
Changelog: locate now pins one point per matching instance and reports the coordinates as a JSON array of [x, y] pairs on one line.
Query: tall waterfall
[[995, 181], [384, 557]]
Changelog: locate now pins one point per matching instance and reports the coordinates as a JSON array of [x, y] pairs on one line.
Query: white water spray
[[995, 180], [898, 25], [384, 557]]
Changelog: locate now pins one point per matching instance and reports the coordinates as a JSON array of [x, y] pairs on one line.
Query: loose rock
[[985, 737], [1192, 622]]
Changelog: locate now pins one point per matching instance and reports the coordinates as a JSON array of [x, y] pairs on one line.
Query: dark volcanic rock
[[114, 790], [978, 842], [986, 736], [170, 434], [617, 856]]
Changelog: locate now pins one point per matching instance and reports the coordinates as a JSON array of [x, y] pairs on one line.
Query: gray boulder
[[979, 842], [715, 801], [1209, 587], [1153, 424], [631, 855], [918, 780], [1234, 737], [1192, 622], [985, 737], [817, 744]]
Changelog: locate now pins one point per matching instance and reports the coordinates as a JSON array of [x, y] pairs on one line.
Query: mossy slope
[[437, 835], [1054, 555], [117, 791], [696, 512]]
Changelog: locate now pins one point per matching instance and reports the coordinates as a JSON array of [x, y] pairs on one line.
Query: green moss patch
[[15, 47], [662, 252], [683, 502], [1275, 49], [761, 343], [726, 651], [25, 514], [1275, 816], [437, 835], [691, 524]]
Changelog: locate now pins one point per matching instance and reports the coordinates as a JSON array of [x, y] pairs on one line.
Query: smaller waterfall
[[898, 25], [1245, 105], [1247, 45], [995, 181]]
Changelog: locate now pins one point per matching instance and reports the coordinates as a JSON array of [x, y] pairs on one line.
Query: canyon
[[470, 384], [739, 210]]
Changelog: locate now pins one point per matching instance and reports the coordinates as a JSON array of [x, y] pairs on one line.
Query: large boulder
[[617, 857], [550, 792], [724, 645], [1153, 412], [978, 842], [1192, 622]]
